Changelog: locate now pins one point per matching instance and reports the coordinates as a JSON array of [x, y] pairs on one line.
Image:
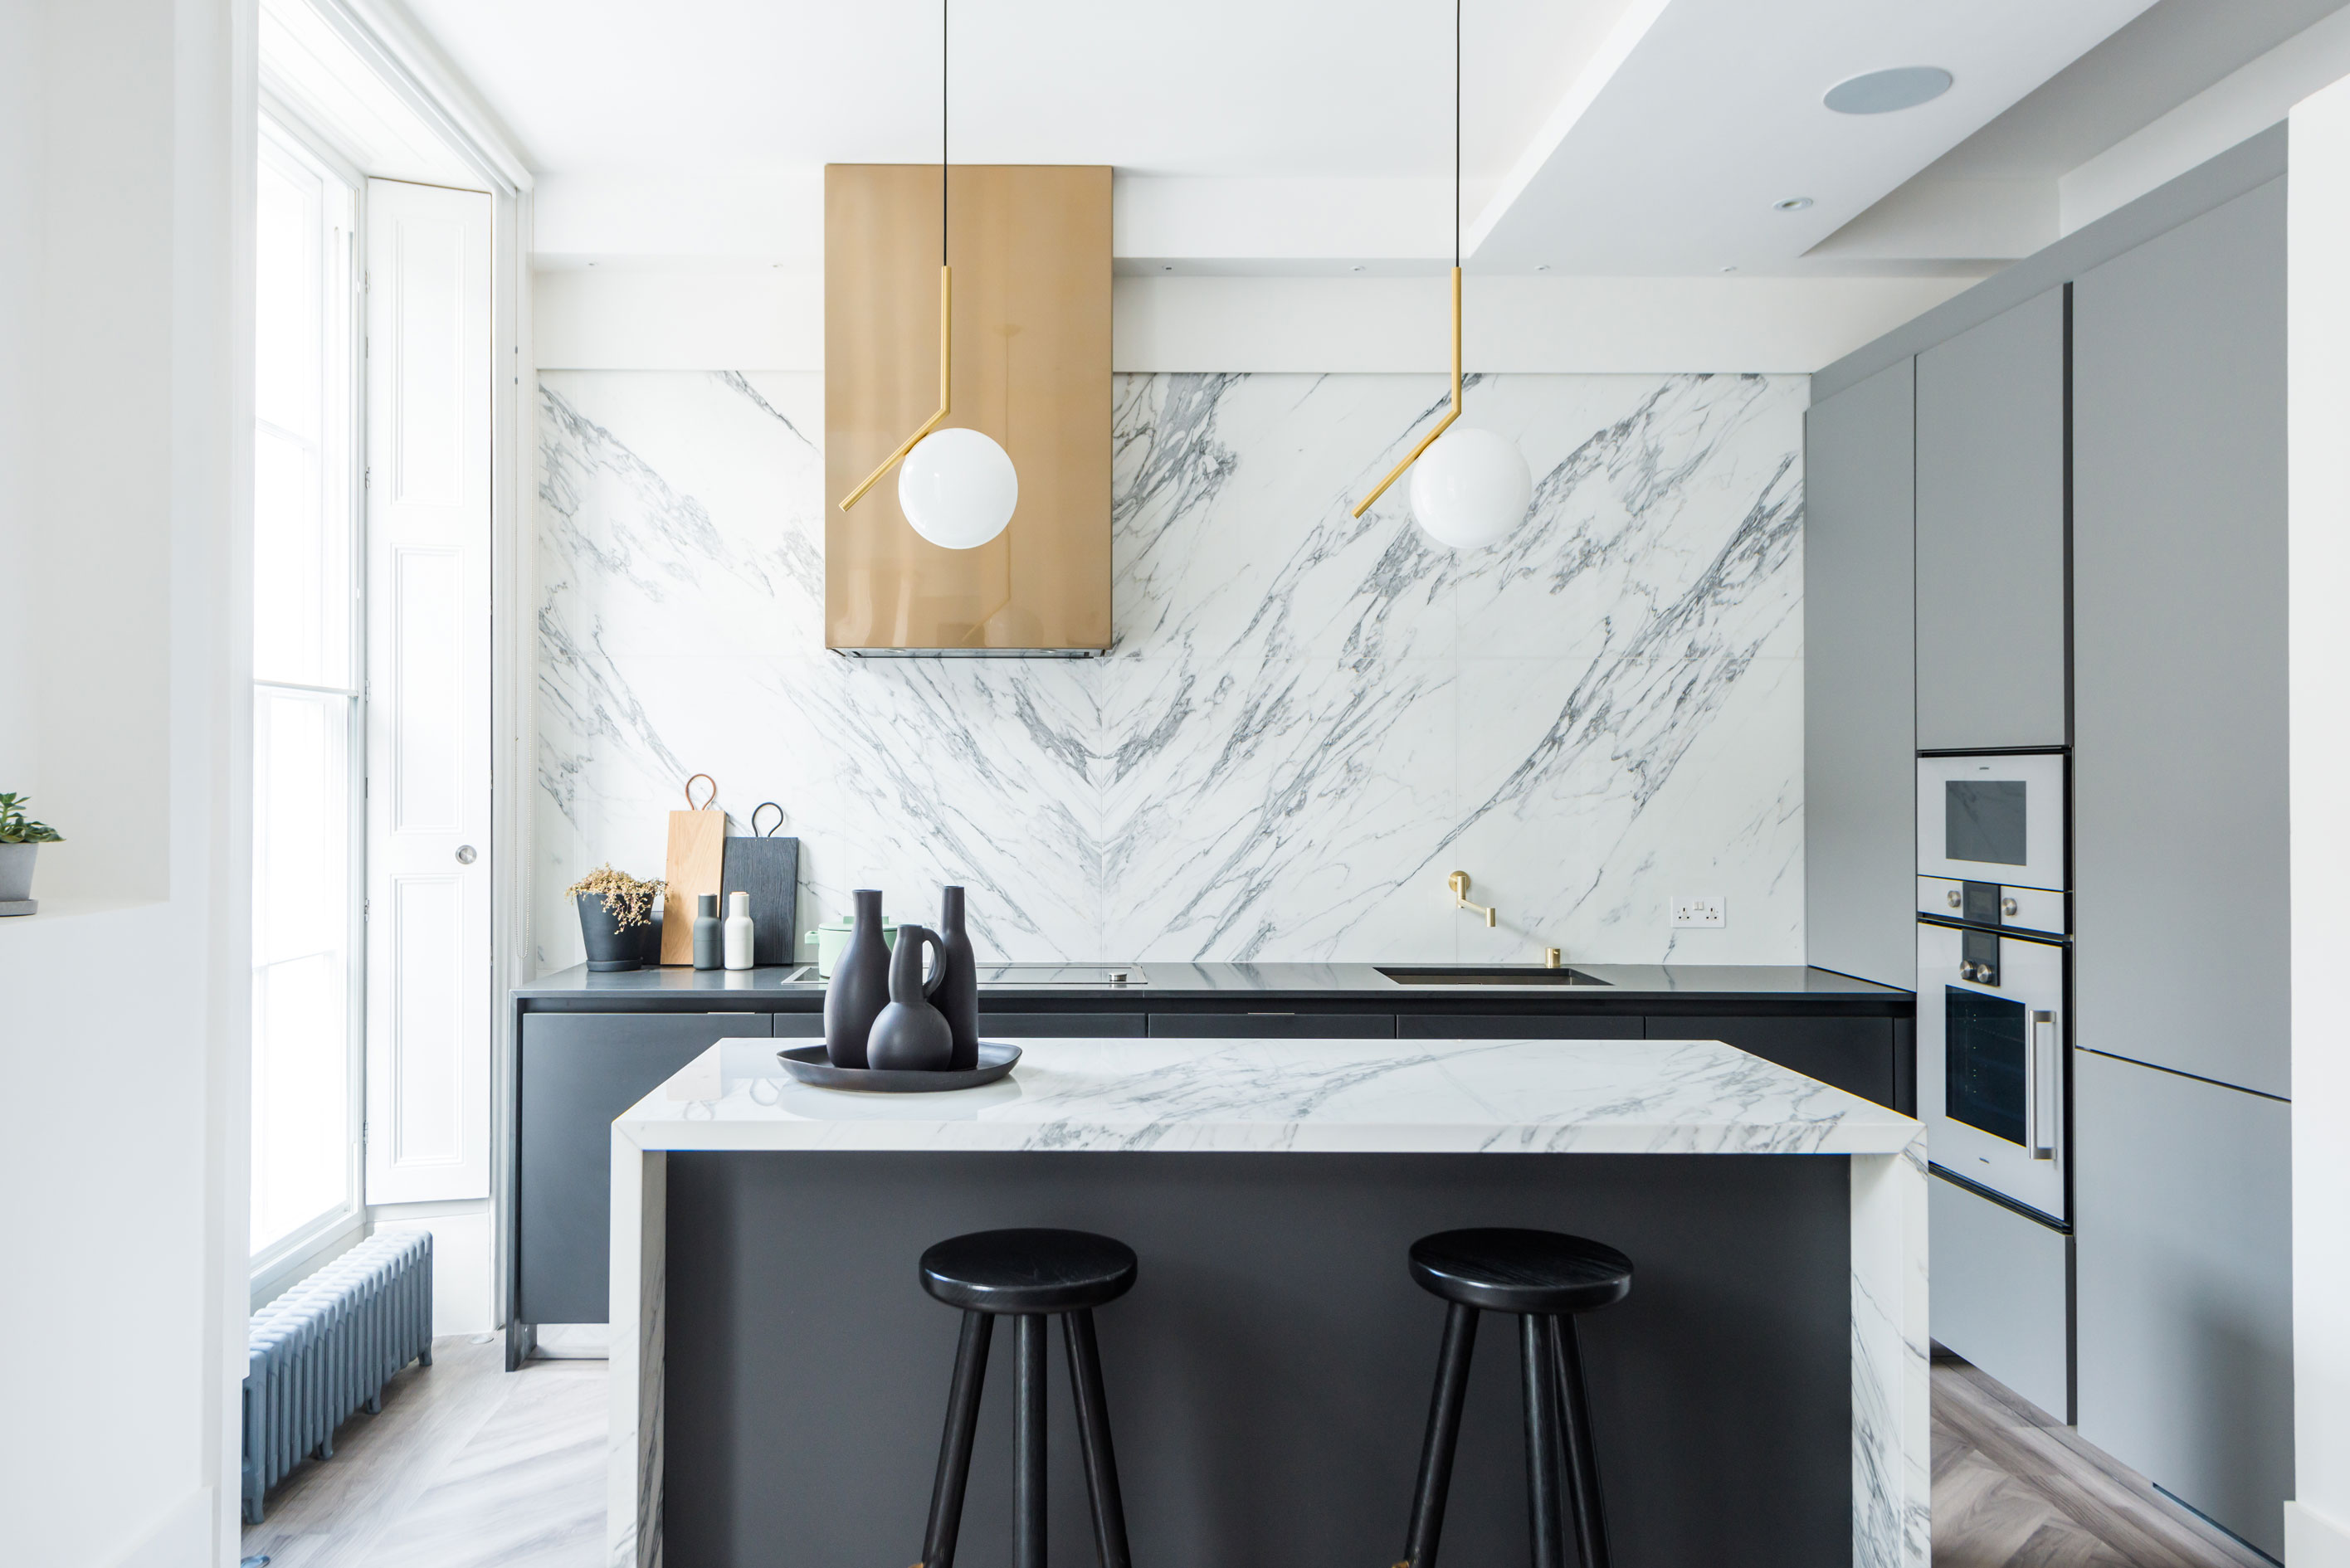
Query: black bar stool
[[1546, 1279], [1027, 1275]]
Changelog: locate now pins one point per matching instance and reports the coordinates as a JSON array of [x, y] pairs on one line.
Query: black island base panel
[[1269, 1375]]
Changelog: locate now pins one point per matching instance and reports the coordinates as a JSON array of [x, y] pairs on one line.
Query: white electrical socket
[[1699, 910]]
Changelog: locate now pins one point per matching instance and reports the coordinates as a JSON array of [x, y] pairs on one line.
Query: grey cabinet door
[[1855, 1055], [1275, 1025], [1860, 737], [2178, 767], [578, 1071], [1990, 533], [1063, 1025], [2184, 1252], [1517, 1026]]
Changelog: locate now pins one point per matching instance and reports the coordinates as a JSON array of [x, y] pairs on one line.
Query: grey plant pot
[[16, 871]]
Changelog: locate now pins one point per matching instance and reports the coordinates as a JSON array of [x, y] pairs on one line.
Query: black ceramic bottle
[[957, 992], [709, 933], [859, 988], [910, 1035]]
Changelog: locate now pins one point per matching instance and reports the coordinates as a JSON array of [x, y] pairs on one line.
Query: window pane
[[301, 545], [301, 957]]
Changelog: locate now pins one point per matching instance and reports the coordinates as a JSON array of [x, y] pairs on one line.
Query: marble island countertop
[[1536, 1096]]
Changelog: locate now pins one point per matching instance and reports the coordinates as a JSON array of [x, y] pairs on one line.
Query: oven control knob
[[1955, 898], [1967, 970], [2007, 906]]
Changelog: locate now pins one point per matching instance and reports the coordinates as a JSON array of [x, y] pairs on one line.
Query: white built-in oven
[[1994, 954], [1993, 1079]]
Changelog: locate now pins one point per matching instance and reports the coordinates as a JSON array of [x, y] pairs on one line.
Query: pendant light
[[956, 487], [1470, 486]]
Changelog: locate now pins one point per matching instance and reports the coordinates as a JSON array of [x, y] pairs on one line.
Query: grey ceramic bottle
[[709, 933], [910, 1035], [957, 992], [861, 984]]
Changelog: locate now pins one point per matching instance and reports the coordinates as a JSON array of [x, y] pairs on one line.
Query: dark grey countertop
[[1194, 982]]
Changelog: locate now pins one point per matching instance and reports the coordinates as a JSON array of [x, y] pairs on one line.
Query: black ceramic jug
[[910, 1035], [861, 984], [957, 992]]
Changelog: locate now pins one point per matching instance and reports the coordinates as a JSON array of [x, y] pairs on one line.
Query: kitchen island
[[779, 1376]]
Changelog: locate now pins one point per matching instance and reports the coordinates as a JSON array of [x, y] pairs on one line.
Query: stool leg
[[954, 1449], [1582, 1455], [1028, 1441], [1542, 1441], [1443, 1432], [1093, 1440]]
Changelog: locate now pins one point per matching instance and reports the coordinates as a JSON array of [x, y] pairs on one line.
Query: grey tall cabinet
[[2097, 448], [1859, 739], [2180, 1123], [1990, 533]]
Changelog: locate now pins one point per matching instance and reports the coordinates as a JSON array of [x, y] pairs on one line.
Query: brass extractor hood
[[1031, 255]]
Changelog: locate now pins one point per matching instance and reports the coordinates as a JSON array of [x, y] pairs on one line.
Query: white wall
[[122, 1003], [2317, 1522], [718, 313]]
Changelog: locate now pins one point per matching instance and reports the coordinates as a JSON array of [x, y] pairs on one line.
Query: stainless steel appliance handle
[[2041, 1079]]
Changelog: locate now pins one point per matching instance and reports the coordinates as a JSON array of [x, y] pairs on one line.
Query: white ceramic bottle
[[739, 931]]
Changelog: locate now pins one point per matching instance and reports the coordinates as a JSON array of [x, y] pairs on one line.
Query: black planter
[[609, 948]]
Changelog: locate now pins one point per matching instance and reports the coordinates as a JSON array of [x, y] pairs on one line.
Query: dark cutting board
[[769, 870]]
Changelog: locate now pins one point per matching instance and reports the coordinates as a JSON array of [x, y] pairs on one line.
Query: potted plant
[[613, 905], [20, 839]]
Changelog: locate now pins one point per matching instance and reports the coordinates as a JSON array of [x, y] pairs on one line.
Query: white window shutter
[[430, 1006]]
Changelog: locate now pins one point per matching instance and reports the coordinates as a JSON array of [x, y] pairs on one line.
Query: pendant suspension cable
[[946, 297], [1454, 411]]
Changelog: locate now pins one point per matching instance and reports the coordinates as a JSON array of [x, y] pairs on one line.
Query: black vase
[[910, 1035], [861, 984], [609, 947], [957, 991]]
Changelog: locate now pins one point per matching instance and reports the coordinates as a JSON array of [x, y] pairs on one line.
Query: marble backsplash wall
[[1306, 722]]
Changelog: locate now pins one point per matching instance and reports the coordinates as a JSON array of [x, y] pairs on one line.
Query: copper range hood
[[1031, 249]]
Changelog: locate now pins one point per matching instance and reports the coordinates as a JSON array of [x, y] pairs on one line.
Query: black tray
[[809, 1065]]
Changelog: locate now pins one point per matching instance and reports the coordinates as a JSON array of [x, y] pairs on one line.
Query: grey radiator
[[325, 1348]]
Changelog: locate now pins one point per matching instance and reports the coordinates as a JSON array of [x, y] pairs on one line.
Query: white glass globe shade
[[958, 489], [1471, 488]]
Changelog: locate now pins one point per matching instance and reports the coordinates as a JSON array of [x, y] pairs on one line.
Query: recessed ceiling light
[[1542, 267], [1791, 204], [1730, 269], [1882, 92], [1358, 266], [1168, 266]]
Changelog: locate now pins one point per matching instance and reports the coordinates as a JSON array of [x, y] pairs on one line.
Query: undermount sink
[[1485, 974]]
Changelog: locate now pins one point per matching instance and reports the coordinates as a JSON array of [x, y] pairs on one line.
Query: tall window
[[305, 705]]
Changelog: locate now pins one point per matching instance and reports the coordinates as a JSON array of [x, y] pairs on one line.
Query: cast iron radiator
[[325, 1347]]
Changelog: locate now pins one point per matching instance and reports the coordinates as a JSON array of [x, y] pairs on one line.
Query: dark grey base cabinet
[[577, 1072]]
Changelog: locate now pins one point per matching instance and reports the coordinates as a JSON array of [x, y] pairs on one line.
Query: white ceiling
[[1600, 137]]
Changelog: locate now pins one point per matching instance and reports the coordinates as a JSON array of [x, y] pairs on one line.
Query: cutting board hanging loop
[[766, 805], [706, 805]]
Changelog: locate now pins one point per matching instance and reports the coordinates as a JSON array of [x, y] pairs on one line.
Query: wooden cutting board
[[767, 866], [697, 864]]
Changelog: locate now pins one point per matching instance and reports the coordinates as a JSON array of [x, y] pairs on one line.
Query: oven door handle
[[2041, 1097]]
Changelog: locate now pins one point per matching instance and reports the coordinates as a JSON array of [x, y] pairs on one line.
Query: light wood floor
[[469, 1468], [2015, 1488]]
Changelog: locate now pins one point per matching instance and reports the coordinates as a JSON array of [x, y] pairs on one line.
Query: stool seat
[[1538, 1272], [1029, 1271]]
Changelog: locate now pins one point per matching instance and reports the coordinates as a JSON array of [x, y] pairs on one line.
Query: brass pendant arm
[[1453, 414], [946, 368]]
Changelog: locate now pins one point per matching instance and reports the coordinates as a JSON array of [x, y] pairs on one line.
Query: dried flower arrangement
[[629, 901]]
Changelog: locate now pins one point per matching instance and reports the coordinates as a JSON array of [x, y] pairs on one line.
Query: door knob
[[465, 855]]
